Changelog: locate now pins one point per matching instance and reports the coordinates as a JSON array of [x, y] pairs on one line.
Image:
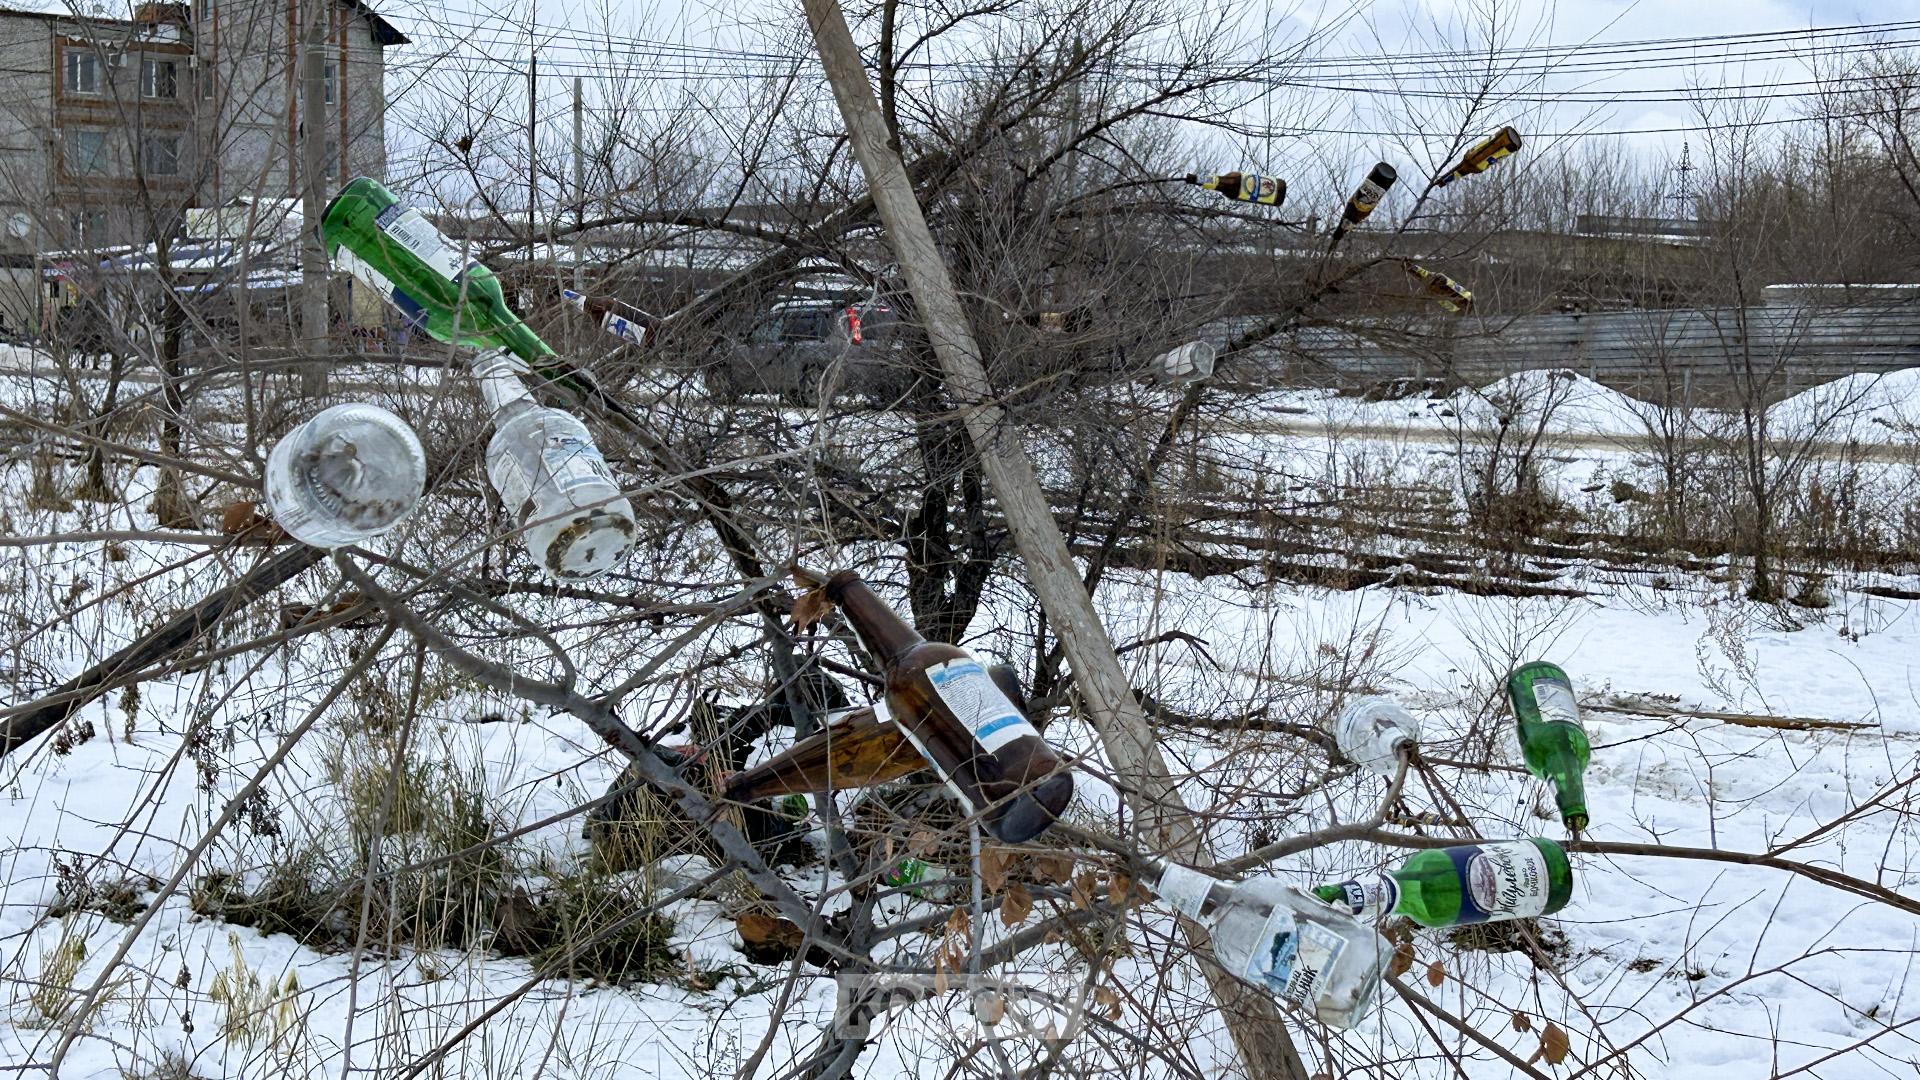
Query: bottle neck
[[500, 385], [885, 634], [1569, 789]]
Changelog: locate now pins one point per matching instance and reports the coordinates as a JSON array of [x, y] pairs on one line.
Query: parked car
[[799, 346]]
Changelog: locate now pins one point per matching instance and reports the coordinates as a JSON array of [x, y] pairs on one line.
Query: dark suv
[[800, 346]]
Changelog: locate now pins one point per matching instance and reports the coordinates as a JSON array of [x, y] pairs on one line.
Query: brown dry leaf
[[239, 517], [1084, 890], [810, 608], [757, 928], [1109, 1001], [1051, 868], [922, 843], [1436, 973], [957, 922], [1016, 905], [1554, 1045], [989, 1008], [1402, 961], [1118, 886], [994, 863], [1522, 1022]]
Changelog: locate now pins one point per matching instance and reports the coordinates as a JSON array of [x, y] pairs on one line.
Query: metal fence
[[1664, 352]]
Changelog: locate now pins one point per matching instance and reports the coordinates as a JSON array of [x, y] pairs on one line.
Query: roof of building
[[384, 32]]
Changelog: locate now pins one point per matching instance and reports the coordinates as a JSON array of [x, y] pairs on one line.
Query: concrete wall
[[255, 46]]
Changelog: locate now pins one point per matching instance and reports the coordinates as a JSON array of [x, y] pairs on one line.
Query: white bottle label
[[1184, 890], [1313, 959], [572, 462], [624, 328], [411, 229], [1369, 899], [1507, 881], [1556, 701], [978, 704], [1294, 958]]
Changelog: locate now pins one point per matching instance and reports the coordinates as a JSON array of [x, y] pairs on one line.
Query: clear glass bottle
[[1374, 732], [348, 474], [1274, 936], [551, 478]]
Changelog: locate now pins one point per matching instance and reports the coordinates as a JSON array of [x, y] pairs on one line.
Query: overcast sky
[[1578, 96]]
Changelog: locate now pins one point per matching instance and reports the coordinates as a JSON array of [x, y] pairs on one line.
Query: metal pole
[[579, 189], [313, 167]]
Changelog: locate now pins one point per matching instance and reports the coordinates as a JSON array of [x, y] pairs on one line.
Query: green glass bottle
[[1471, 883], [397, 252], [907, 872], [794, 809], [1552, 740]]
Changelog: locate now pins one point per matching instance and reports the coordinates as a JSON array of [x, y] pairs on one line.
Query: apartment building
[[112, 128]]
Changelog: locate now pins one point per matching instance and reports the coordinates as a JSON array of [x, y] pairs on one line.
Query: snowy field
[[1718, 724]]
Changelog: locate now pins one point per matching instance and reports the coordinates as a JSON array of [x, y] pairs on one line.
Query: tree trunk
[[1251, 1018]]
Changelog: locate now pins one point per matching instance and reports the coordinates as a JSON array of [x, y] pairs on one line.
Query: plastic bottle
[[348, 474], [551, 478]]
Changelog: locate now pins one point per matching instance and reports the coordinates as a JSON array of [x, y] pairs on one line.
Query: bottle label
[[1556, 702], [1295, 957], [978, 704], [1501, 881], [373, 279], [411, 229], [572, 462], [1368, 900], [1368, 196], [624, 328], [1184, 890]]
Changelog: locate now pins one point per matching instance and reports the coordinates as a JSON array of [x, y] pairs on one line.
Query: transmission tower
[[1682, 196]]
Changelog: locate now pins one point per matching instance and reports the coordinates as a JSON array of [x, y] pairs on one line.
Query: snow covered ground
[[1669, 967], [1869, 408], [1758, 965]]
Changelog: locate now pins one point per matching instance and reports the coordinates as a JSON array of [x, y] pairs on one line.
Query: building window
[[83, 72], [158, 78], [333, 160], [160, 155], [333, 80], [86, 228], [86, 153]]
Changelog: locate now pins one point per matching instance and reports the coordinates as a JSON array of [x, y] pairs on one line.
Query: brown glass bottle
[[856, 748], [616, 317], [955, 714], [1481, 158]]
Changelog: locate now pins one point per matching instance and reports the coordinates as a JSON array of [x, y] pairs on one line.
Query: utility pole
[[533, 146], [1251, 1017], [579, 189], [313, 169]]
